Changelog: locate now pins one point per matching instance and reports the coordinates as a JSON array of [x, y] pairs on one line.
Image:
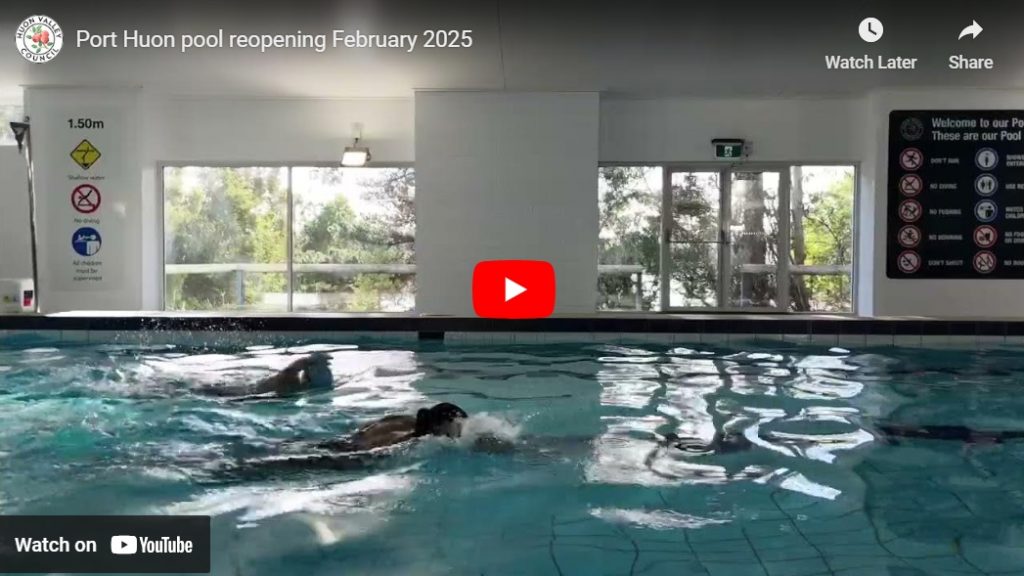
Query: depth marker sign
[[955, 194]]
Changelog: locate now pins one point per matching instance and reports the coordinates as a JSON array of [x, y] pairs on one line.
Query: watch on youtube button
[[514, 289]]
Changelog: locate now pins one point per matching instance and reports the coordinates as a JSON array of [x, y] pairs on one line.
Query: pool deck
[[435, 327]]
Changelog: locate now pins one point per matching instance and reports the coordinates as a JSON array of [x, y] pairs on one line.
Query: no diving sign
[[86, 199]]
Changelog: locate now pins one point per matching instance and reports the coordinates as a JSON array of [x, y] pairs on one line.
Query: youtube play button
[[513, 289]]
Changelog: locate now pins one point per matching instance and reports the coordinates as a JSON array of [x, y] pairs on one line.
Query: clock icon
[[870, 29]]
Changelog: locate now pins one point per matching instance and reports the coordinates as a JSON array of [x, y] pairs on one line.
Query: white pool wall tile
[[907, 340], [824, 339], [713, 338], [876, 340], [797, 338], [985, 341], [852, 340]]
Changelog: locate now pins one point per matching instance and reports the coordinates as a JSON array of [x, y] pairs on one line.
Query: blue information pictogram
[[86, 241]]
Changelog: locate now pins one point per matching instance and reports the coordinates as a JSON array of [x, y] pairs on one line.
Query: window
[[766, 237], [9, 113], [354, 234], [226, 244], [628, 248], [821, 224]]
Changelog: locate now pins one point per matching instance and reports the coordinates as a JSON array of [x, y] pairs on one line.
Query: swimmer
[[360, 450], [307, 373], [439, 420], [950, 433]]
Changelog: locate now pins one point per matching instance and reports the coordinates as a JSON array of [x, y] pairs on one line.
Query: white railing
[[240, 269]]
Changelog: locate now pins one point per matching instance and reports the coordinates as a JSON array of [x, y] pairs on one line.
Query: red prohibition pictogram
[[86, 198], [911, 185], [985, 236], [909, 236], [984, 262], [910, 211], [911, 159], [908, 261]]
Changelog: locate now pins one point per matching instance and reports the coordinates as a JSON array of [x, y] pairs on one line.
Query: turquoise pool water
[[803, 483]]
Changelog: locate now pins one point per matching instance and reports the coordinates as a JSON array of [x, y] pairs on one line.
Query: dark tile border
[[433, 327]]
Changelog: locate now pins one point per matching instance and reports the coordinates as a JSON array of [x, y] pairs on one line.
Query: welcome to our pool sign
[[956, 194]]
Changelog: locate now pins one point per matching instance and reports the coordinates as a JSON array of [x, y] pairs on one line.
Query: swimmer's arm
[[286, 381]]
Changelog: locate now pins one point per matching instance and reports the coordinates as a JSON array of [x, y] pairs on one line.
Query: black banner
[[956, 194], [132, 544]]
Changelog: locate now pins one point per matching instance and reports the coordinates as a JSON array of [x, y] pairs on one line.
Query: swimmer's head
[[440, 420], [317, 371]]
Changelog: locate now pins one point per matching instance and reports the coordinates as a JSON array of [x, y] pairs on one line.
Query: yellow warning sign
[[85, 154]]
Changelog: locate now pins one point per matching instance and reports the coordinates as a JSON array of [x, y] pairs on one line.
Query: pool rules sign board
[[88, 188], [956, 194]]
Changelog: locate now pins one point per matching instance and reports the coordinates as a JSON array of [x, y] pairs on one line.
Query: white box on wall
[[17, 295]]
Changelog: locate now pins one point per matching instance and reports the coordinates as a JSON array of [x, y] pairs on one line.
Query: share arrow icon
[[973, 30]]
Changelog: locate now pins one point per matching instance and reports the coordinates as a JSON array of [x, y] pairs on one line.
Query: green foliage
[[223, 215], [828, 234], [238, 215]]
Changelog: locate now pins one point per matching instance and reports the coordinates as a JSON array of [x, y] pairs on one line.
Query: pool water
[[802, 482]]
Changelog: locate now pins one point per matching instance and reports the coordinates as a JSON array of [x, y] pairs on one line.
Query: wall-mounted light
[[356, 155]]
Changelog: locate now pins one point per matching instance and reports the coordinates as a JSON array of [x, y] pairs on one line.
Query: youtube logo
[[513, 289]]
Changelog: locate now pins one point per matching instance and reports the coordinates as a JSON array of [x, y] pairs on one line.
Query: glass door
[[692, 240], [721, 239], [755, 226]]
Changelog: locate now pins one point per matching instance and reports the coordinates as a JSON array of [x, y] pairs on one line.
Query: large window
[[821, 250], [680, 237], [226, 239], [628, 247]]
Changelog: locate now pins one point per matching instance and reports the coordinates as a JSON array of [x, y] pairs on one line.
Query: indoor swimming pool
[[584, 459]]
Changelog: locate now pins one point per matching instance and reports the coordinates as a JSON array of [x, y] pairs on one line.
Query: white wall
[[681, 129], [950, 298], [15, 250], [505, 175]]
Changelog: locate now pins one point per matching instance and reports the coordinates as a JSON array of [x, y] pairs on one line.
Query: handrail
[[342, 269]]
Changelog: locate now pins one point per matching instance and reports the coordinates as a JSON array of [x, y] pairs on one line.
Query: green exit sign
[[728, 151]]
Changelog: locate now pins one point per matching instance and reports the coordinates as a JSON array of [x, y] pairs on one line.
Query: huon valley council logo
[[39, 39]]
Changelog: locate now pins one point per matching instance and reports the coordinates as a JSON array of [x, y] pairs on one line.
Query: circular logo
[[908, 261], [39, 39], [986, 184], [984, 262], [986, 158], [86, 198], [911, 185], [986, 211], [911, 159], [86, 241], [912, 129], [985, 236], [910, 211], [909, 236], [870, 30]]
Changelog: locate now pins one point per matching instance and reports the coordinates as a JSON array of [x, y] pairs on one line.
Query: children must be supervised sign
[[956, 194]]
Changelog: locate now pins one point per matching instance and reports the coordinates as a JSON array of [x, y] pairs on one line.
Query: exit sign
[[729, 151]]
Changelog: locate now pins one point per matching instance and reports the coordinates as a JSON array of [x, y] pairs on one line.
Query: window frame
[[289, 218], [783, 167]]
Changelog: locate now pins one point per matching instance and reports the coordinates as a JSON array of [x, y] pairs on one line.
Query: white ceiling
[[638, 48]]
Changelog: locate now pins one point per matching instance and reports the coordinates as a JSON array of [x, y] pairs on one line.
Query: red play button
[[513, 289]]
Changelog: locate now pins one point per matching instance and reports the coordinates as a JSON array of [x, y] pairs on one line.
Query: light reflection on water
[[666, 439]]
